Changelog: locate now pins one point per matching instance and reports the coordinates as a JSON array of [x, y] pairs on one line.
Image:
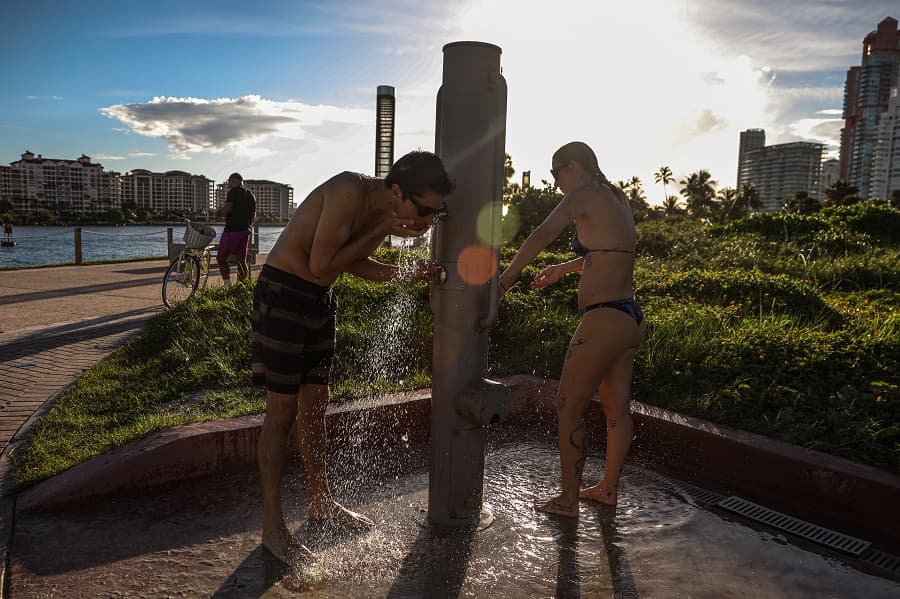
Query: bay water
[[39, 245]]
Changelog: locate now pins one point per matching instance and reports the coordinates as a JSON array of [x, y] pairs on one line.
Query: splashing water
[[390, 352]]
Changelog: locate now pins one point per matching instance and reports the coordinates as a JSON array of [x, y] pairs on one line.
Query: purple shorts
[[235, 242]]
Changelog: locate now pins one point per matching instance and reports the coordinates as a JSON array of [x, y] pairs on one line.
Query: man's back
[[243, 205]]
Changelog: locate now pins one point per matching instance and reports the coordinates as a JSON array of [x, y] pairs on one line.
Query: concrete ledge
[[805, 483]]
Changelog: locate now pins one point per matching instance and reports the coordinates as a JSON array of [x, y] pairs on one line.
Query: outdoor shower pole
[[470, 137]]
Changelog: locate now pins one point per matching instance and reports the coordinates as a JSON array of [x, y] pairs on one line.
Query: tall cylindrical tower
[[384, 130], [470, 138]]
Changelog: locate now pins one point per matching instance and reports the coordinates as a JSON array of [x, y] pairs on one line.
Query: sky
[[285, 90]]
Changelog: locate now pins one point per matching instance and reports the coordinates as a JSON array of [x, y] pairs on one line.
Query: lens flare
[[477, 264]]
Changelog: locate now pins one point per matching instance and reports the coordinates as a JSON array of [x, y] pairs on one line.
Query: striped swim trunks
[[292, 342]]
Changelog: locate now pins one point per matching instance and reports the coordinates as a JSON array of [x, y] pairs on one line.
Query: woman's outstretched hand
[[548, 276]]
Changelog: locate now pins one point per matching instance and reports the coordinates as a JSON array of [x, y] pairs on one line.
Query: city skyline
[[287, 93]]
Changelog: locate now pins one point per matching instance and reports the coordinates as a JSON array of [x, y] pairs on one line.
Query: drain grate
[[882, 560], [700, 495], [688, 491], [801, 528]]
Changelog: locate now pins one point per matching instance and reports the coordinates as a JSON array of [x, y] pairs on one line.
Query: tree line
[[699, 197]]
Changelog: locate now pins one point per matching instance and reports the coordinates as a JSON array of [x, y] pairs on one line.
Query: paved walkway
[[55, 323]]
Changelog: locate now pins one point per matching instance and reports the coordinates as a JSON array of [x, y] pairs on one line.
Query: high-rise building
[[162, 193], [384, 130], [831, 172], [778, 172], [751, 139], [886, 160], [867, 92], [34, 183], [274, 201]]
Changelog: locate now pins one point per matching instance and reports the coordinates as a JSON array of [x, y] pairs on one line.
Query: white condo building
[[274, 201], [162, 193], [34, 183], [886, 157], [780, 171]]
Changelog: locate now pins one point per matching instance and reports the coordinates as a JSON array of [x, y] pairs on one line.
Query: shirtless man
[[335, 230]]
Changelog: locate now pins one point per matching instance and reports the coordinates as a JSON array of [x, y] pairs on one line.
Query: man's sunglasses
[[423, 210], [555, 170]]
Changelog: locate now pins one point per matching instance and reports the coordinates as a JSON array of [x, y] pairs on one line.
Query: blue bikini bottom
[[629, 306]]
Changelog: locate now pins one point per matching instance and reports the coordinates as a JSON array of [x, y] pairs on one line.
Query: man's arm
[[333, 250], [225, 210], [373, 270]]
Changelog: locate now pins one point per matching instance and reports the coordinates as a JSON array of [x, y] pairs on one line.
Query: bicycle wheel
[[205, 265], [181, 280]]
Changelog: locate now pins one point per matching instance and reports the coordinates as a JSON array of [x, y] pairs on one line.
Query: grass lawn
[[783, 325]]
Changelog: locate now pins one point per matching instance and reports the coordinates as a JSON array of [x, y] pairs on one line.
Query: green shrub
[[755, 292]]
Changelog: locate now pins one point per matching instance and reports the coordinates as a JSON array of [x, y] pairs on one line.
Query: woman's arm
[[540, 238], [553, 273]]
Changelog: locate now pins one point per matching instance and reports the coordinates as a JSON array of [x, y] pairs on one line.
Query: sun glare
[[634, 80]]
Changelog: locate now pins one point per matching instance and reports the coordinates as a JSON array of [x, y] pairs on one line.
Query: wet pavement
[[201, 539]]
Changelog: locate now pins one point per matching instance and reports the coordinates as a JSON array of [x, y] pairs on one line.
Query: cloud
[[708, 122], [57, 98], [823, 131], [242, 25], [799, 35], [109, 157], [198, 124]]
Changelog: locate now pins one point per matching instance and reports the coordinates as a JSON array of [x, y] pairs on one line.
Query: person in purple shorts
[[239, 211]]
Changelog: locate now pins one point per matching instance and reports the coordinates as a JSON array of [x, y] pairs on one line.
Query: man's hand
[[401, 227], [420, 270]]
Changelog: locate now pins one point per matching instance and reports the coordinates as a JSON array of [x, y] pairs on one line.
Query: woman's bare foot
[[557, 507], [600, 493], [334, 514]]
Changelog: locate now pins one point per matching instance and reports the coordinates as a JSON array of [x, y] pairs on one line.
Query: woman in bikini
[[601, 353]]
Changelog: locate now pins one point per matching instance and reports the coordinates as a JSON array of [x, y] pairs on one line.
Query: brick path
[[35, 367], [57, 322]]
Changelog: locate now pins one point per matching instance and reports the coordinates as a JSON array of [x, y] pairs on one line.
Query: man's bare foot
[[600, 493], [334, 514], [283, 546], [557, 507]]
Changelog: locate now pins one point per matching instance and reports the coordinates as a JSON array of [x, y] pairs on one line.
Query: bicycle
[[190, 270]]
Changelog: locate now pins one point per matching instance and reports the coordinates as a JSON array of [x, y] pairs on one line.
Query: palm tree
[[634, 191], [671, 207], [749, 196], [698, 190], [664, 176], [728, 205], [839, 193]]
